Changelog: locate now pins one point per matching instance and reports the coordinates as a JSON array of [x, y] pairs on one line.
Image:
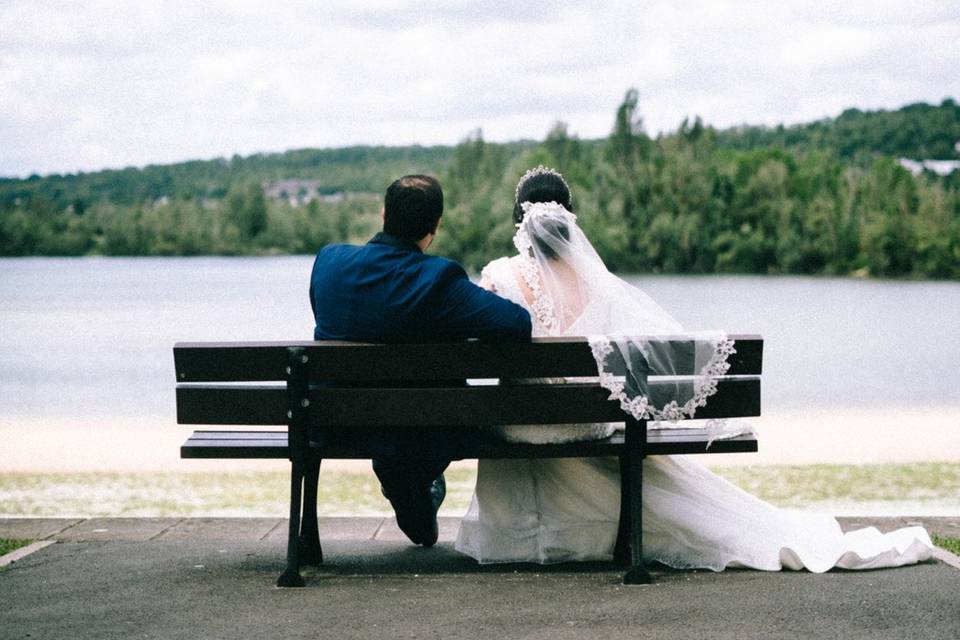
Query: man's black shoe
[[417, 514]]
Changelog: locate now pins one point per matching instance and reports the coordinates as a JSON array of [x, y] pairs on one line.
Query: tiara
[[540, 170]]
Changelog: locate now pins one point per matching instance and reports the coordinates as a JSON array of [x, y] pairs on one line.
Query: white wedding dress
[[556, 510]]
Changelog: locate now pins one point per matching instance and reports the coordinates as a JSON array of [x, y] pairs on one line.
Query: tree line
[[827, 197]]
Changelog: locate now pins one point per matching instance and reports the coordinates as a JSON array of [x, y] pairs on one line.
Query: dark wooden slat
[[748, 360], [740, 444], [677, 434], [225, 448], [231, 404], [348, 361], [664, 433], [463, 406], [521, 404], [240, 435], [273, 444]]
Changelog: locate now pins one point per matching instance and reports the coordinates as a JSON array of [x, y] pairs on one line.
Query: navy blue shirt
[[390, 291]]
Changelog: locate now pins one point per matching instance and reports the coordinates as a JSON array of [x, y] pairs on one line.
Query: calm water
[[92, 337]]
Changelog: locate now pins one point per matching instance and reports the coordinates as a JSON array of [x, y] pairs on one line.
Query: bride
[[556, 510]]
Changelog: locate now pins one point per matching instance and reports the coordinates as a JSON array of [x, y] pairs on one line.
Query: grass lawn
[[799, 485], [256, 493], [950, 544], [265, 493], [11, 544]]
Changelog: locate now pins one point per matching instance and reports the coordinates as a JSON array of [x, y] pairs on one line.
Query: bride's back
[[568, 297]]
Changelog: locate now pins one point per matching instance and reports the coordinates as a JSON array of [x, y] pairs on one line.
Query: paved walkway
[[213, 578], [275, 529]]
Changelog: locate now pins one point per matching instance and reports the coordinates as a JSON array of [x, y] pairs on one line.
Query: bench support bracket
[[301, 466]]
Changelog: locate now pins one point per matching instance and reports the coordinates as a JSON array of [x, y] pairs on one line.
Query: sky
[[95, 84]]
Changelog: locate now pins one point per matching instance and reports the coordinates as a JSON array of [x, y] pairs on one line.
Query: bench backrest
[[422, 384]]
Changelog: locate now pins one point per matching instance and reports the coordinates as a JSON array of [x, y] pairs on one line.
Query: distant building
[[299, 192], [913, 166], [939, 167]]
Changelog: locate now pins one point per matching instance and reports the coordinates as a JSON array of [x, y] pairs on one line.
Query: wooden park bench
[[373, 389]]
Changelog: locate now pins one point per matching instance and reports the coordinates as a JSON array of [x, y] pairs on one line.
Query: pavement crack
[[378, 529], [164, 530], [271, 530], [62, 529]]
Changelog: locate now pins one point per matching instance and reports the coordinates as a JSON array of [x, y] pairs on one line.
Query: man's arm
[[469, 311]]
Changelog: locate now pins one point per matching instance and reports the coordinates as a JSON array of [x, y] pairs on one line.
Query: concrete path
[[275, 529], [213, 578]]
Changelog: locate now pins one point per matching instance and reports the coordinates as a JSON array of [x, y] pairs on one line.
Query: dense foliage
[[915, 131], [825, 197]]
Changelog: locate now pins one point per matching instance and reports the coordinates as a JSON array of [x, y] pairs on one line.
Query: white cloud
[[114, 83]]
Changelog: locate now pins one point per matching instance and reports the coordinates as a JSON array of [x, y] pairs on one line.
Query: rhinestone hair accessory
[[539, 170]]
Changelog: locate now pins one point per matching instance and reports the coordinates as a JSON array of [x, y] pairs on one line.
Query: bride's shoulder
[[496, 270], [498, 276]]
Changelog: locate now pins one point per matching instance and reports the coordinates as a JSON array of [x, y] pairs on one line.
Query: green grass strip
[[265, 493], [798, 485], [950, 544], [12, 544], [250, 494]]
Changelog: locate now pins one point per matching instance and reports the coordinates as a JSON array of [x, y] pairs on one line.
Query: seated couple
[[556, 510]]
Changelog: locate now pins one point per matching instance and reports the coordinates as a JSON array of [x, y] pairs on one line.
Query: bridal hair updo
[[543, 184]]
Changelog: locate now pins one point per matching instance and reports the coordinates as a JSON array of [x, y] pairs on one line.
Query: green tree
[[247, 209]]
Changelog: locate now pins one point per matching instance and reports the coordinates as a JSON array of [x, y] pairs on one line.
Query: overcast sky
[[93, 84]]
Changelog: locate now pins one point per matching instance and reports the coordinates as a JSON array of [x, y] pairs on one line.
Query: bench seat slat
[[273, 444], [241, 435], [351, 361]]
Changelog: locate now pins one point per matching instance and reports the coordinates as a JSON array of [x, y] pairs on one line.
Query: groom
[[390, 291]]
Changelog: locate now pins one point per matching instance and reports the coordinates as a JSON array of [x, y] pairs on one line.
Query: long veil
[[573, 293]]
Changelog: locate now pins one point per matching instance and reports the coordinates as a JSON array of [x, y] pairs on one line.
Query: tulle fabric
[[567, 280], [557, 510]]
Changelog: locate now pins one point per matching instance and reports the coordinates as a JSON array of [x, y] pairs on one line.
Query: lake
[[92, 337]]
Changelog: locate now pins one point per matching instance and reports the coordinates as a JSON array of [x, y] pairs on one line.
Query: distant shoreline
[[854, 276]]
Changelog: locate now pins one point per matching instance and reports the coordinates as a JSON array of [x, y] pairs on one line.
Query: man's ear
[[383, 214]]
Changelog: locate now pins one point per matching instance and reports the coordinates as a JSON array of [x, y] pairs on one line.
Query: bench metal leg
[[311, 552], [291, 575], [635, 441], [621, 551], [637, 573]]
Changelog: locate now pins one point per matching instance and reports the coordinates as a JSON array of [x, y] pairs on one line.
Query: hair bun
[[539, 170]]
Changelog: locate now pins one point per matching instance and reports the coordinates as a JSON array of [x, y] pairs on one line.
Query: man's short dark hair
[[412, 207]]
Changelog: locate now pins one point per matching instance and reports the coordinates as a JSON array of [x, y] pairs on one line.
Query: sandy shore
[[853, 436], [810, 437]]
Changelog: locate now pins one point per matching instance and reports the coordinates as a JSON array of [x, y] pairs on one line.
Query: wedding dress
[[556, 510]]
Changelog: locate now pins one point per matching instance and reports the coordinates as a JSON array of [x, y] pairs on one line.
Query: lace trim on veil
[[704, 385], [543, 310]]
